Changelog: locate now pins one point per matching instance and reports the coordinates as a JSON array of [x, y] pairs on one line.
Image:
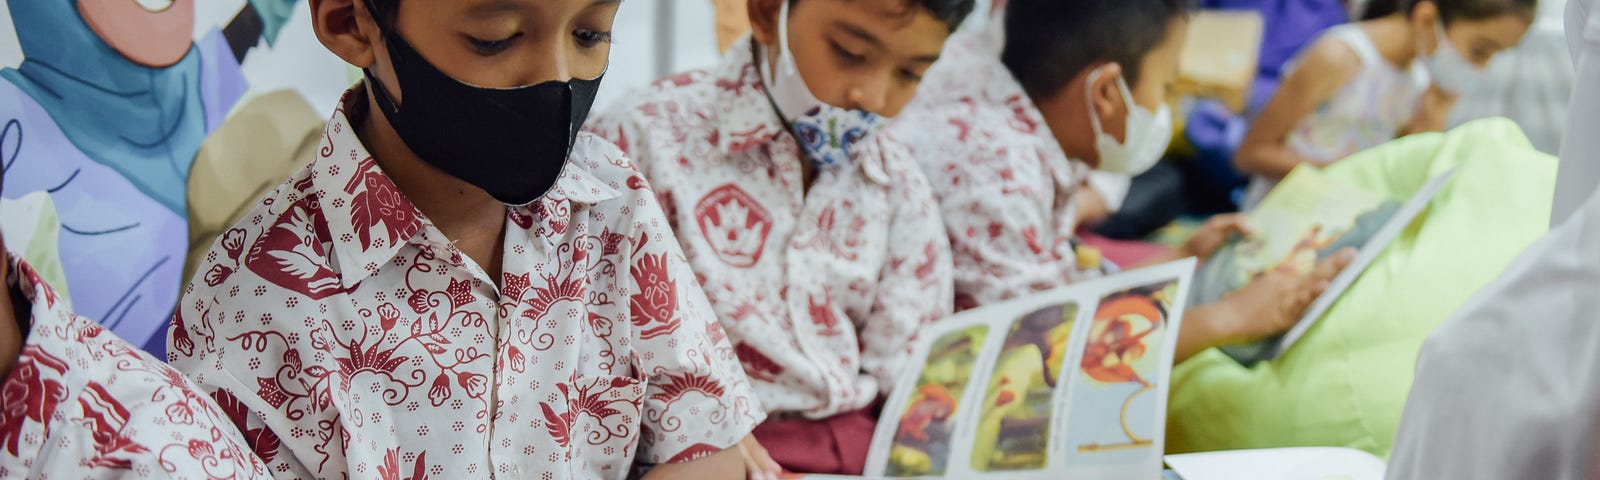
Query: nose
[[871, 95], [552, 60]]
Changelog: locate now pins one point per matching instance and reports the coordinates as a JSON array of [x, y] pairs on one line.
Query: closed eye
[[591, 38], [492, 47], [846, 55]]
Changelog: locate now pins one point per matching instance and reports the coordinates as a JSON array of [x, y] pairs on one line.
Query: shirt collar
[[44, 302], [577, 183], [746, 119], [369, 219]]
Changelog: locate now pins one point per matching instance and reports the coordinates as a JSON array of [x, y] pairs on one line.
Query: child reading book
[[460, 285], [1365, 83], [1079, 86], [819, 243]]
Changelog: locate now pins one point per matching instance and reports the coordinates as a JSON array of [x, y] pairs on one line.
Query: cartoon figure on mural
[[106, 113]]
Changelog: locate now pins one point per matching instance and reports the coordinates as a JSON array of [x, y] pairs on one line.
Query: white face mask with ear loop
[[1147, 133], [826, 133], [1451, 72]]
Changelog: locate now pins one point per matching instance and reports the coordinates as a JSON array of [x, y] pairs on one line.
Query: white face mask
[[1450, 71], [826, 133], [1147, 134]]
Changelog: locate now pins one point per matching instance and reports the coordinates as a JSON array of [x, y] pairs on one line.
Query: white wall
[[692, 40]]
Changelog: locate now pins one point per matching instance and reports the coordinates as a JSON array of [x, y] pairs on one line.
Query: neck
[[1067, 117], [14, 311], [459, 209], [1394, 39]]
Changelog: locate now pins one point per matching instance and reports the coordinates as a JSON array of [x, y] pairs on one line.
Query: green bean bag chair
[[1345, 383]]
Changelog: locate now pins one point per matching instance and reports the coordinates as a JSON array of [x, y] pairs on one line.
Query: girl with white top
[[1365, 83]]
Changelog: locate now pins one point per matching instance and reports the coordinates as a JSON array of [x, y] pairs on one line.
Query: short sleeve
[[1003, 227], [697, 400], [1113, 187]]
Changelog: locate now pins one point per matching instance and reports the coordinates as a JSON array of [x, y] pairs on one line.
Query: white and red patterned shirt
[[83, 404], [366, 344], [821, 289], [1004, 185]]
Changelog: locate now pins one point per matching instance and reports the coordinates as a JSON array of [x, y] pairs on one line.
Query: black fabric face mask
[[510, 142]]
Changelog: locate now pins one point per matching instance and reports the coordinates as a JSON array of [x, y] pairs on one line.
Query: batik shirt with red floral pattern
[[365, 345], [1004, 185], [83, 404], [821, 289]]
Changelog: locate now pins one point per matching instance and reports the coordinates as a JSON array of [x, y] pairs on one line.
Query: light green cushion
[[1345, 382]]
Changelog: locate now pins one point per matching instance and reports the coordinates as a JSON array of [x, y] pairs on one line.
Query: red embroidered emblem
[[734, 225]]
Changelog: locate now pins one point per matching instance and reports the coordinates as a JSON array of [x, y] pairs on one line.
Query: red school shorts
[[835, 445]]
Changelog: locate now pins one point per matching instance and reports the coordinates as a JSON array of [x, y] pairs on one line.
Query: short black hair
[[949, 12], [1048, 42], [384, 12], [1452, 10]]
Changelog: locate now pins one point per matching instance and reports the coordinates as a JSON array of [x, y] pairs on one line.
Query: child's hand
[[1274, 301], [1213, 234], [1092, 207], [758, 465]]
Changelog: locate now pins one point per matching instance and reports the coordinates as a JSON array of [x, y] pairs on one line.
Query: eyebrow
[[859, 32], [865, 36], [489, 9], [495, 7]]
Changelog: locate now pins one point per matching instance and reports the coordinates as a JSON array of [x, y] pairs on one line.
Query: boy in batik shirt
[[459, 285], [818, 241]]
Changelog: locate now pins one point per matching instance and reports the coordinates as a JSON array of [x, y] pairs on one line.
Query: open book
[[1308, 463], [1307, 217], [1070, 383]]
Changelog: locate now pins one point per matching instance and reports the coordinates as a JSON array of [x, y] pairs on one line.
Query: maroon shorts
[[835, 445]]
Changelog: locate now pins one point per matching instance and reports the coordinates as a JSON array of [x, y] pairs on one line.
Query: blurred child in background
[[1365, 83]]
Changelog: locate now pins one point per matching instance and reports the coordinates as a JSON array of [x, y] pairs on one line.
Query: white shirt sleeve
[[1505, 388], [1579, 175]]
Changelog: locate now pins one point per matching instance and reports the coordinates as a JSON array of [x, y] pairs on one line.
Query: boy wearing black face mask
[[1078, 87], [459, 285], [818, 242]]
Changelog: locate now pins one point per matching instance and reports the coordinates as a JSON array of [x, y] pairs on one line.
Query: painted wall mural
[[106, 114]]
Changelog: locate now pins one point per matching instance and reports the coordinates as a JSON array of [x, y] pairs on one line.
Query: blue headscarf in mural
[[144, 122]]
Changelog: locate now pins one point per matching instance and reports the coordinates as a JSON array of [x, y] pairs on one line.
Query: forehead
[[493, 8], [1505, 30], [899, 25], [894, 14]]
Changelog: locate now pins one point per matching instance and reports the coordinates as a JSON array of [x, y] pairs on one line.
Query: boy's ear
[[347, 29], [764, 20], [1105, 98]]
